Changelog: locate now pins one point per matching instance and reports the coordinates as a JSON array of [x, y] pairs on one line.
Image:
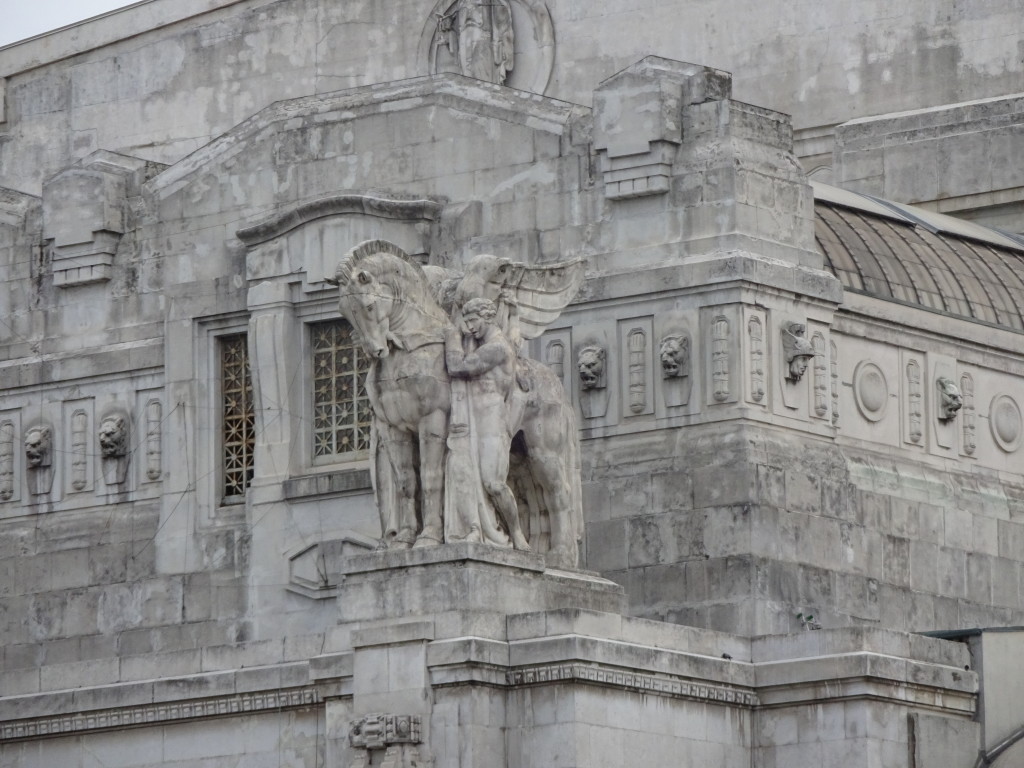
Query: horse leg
[[550, 453], [433, 430], [399, 449]]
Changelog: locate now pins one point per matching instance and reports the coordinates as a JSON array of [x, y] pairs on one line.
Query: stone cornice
[[334, 205], [625, 680]]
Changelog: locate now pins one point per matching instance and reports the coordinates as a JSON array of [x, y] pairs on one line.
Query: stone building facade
[[799, 404]]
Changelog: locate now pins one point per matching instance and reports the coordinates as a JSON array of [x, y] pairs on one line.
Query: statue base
[[464, 576]]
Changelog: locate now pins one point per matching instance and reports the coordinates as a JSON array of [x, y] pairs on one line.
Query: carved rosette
[[6, 461], [820, 376], [755, 330], [915, 407], [637, 344], [970, 415], [721, 372], [834, 362]]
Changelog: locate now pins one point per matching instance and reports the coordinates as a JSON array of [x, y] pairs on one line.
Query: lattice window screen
[[341, 411], [238, 417]]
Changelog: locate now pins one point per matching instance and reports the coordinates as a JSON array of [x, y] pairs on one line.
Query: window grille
[[237, 415], [341, 410]]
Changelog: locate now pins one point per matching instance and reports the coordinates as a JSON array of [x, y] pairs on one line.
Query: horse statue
[[426, 475]]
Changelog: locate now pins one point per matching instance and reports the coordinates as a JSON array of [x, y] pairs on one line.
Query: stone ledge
[[340, 481]]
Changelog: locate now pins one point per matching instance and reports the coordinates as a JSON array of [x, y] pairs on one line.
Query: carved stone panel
[[969, 443], [721, 332], [637, 349], [834, 373], [821, 377], [870, 391], [1004, 418], [78, 446], [757, 388], [387, 740], [9, 479], [914, 402]]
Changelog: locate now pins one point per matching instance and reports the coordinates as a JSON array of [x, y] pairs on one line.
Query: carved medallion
[[508, 42], [870, 391], [1005, 422]]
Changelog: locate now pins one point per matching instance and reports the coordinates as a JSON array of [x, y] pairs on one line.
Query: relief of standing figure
[[479, 34]]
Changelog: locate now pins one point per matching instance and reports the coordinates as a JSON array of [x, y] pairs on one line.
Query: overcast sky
[[26, 18]]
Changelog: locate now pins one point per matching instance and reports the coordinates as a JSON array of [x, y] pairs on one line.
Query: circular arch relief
[[1004, 420], [870, 391], [534, 45]]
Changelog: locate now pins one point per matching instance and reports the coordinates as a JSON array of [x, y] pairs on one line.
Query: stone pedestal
[[466, 576]]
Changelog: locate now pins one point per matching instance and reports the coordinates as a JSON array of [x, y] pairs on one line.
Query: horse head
[[385, 296]]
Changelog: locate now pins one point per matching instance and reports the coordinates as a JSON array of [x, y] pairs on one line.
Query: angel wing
[[542, 292]]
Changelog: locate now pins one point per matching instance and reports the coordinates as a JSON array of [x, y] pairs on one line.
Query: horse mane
[[392, 266]]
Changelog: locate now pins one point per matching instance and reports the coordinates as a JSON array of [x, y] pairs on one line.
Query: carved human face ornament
[[37, 447], [797, 350], [113, 437], [950, 399], [591, 367], [673, 354]]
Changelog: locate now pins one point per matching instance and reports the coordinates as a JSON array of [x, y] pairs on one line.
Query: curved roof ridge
[[912, 256]]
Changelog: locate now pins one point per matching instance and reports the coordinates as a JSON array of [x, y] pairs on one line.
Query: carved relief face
[[674, 352], [798, 366], [366, 303], [950, 399], [37, 447], [797, 349], [113, 437], [591, 367]]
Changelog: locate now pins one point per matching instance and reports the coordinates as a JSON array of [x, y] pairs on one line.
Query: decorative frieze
[[657, 685], [150, 714]]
